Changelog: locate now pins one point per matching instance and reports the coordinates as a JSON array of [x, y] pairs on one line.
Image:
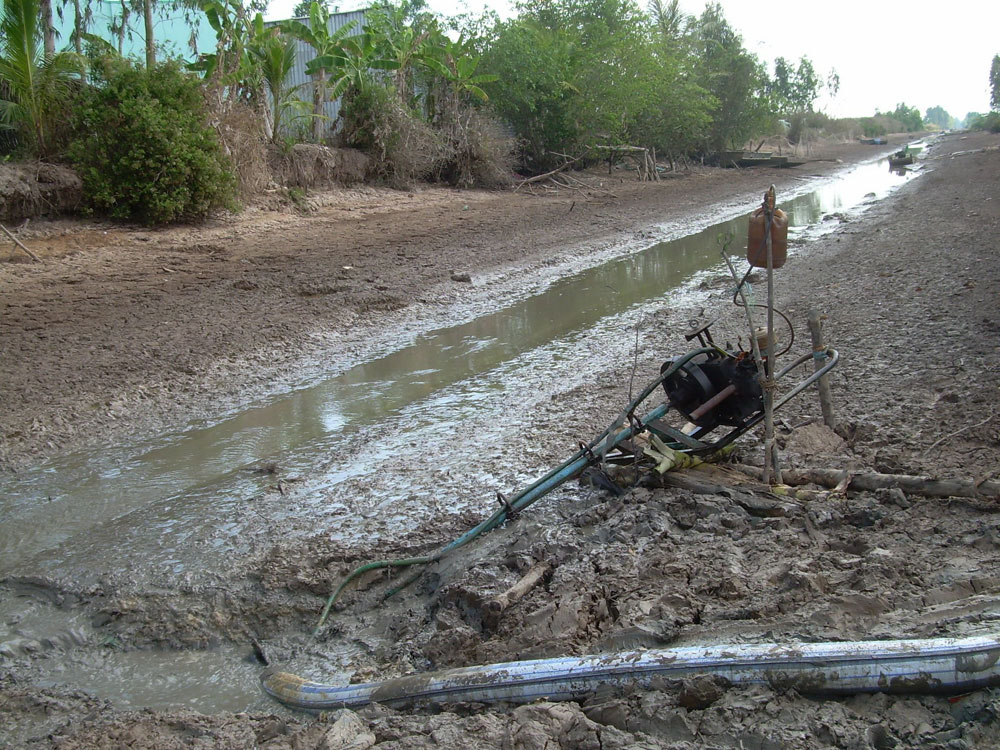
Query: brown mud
[[910, 289]]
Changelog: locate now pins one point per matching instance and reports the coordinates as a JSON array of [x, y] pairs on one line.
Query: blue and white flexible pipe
[[938, 665]]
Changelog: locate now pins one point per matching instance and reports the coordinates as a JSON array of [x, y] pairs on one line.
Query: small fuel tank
[[757, 249]]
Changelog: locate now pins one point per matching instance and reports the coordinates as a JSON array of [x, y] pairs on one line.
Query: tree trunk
[[319, 100], [147, 16], [267, 116], [121, 29], [78, 29], [48, 30], [276, 122]]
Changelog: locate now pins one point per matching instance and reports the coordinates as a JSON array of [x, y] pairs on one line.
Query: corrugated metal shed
[[305, 53]]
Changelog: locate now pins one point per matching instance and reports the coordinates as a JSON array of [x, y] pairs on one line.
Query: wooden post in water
[[823, 384]]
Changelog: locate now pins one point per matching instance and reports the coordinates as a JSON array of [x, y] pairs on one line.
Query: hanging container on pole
[[757, 234]]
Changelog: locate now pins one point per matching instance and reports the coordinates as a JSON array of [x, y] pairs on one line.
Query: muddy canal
[[434, 427]]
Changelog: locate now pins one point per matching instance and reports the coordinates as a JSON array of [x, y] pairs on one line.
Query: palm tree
[[35, 84], [669, 19], [275, 54]]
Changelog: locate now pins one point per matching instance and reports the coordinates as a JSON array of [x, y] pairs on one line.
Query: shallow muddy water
[[426, 429]]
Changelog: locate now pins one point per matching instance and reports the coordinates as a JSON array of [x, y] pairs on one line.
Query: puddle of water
[[161, 495], [208, 681], [61, 642]]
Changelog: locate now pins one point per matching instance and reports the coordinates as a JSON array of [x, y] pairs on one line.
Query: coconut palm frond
[[35, 85]]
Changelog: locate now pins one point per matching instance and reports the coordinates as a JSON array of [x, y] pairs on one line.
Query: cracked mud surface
[[911, 292]]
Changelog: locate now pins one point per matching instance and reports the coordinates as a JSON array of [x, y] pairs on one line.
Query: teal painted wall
[[171, 32]]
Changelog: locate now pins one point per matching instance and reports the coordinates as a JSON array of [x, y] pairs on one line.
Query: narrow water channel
[[186, 501]]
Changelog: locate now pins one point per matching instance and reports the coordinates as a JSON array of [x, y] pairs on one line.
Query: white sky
[[886, 51]]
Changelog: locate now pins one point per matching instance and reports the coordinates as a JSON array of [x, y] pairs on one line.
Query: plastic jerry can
[[757, 249]]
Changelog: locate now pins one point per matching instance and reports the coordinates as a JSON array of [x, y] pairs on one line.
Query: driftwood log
[[540, 177], [709, 479], [924, 486], [493, 608]]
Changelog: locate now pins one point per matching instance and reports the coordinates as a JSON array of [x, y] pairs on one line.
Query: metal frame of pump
[[714, 388]]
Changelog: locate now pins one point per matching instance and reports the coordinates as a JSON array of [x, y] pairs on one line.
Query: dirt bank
[[124, 330], [910, 290]]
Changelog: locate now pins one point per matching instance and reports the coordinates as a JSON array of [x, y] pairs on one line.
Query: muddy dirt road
[[911, 288]]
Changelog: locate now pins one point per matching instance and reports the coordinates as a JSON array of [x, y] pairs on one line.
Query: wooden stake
[[823, 385], [20, 244], [770, 450]]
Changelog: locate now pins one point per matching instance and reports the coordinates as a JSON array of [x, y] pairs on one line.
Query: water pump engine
[[714, 389]]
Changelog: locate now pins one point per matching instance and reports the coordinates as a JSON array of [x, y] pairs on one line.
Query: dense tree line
[[463, 100]]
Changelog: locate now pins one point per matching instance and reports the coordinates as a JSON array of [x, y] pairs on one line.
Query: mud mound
[[35, 188], [308, 165]]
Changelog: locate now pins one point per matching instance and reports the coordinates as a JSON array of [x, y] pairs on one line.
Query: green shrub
[[989, 121], [403, 147], [143, 148], [872, 127]]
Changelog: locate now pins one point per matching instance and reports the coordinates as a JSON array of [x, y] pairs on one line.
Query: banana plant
[[327, 45], [456, 66], [232, 67], [232, 32], [402, 42], [352, 63]]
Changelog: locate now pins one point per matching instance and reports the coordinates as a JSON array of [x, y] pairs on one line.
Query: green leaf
[[438, 67], [384, 64], [478, 93]]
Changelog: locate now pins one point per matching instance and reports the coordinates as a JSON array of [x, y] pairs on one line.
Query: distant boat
[[900, 158], [877, 141], [729, 158], [755, 159], [786, 161]]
